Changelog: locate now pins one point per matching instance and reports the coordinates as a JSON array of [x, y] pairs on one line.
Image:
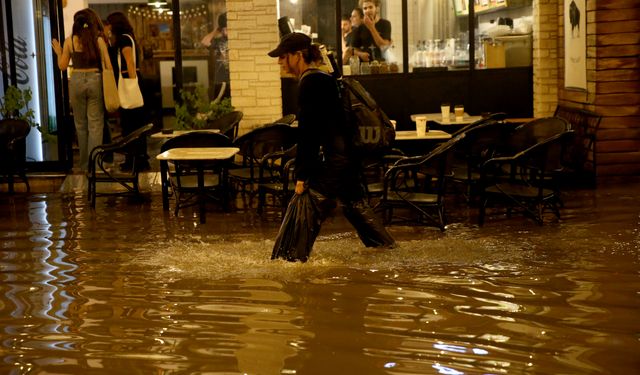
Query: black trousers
[[344, 185]]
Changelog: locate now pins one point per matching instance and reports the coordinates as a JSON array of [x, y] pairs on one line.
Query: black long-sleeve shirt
[[321, 123]]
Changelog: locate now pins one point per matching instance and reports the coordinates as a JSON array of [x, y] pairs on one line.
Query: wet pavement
[[128, 288]]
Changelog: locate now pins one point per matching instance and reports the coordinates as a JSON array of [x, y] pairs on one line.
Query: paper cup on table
[[444, 109], [421, 126], [459, 111]]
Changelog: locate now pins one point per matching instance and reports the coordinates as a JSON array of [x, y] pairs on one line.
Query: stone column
[[254, 76], [545, 57]]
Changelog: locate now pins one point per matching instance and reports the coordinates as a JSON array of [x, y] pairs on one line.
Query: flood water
[[128, 289]]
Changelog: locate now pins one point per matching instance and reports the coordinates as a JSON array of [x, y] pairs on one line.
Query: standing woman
[[84, 47], [130, 119]]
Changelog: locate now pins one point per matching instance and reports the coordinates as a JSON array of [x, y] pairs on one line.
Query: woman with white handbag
[[132, 111]]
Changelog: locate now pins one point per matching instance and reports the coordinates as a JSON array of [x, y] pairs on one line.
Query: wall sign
[[575, 44]]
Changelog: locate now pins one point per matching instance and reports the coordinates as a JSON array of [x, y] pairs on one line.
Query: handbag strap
[[133, 45], [102, 57]]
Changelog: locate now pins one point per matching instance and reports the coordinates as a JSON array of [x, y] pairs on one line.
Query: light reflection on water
[[126, 289]]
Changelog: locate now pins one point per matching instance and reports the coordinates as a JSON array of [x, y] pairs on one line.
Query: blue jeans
[[85, 92]]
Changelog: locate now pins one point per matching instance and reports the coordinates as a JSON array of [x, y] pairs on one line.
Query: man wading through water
[[325, 162]]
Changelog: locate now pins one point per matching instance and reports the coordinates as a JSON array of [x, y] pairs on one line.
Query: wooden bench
[[581, 160]]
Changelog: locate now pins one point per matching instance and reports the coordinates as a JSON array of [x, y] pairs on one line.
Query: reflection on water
[[126, 289]]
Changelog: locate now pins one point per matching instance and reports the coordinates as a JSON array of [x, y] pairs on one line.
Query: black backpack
[[372, 131]]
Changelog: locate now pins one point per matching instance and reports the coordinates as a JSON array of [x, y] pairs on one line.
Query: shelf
[[483, 6]]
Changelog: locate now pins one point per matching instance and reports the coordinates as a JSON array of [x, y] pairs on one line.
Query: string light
[[155, 12]]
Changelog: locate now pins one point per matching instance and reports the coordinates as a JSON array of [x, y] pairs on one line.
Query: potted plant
[[195, 109], [15, 106], [15, 122]]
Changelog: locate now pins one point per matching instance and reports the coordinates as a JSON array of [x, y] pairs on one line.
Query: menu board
[[479, 6]]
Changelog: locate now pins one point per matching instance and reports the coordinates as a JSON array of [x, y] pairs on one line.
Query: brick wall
[[545, 57], [255, 77], [613, 83], [613, 77]]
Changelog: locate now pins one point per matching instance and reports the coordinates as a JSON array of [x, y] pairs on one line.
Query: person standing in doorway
[[130, 119], [325, 160], [217, 42], [84, 48]]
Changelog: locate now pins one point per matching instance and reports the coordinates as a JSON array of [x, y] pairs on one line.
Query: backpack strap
[[312, 71]]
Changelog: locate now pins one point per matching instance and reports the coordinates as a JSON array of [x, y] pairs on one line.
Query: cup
[[444, 109], [459, 111], [365, 68], [421, 126], [394, 123]]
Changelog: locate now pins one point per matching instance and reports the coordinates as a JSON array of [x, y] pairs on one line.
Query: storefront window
[[504, 30], [352, 43], [438, 35], [316, 18], [367, 53], [203, 46]]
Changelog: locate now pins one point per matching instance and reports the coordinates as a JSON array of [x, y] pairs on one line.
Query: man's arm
[[382, 40]]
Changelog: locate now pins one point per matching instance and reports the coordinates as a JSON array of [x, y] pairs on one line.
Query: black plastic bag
[[299, 229]]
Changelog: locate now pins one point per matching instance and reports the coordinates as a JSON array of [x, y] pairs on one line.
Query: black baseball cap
[[291, 43]]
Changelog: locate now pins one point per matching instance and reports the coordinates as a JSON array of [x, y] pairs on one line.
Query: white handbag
[[128, 88]]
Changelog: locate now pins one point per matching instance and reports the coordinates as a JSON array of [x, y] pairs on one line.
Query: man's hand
[[368, 22], [364, 56], [300, 187]]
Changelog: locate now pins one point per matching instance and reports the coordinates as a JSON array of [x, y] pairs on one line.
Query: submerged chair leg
[[482, 211]]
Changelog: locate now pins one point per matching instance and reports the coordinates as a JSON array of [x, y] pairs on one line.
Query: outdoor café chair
[[228, 124], [527, 180], [276, 179], [481, 142], [13, 134], [374, 170], [286, 119], [416, 185], [99, 170], [181, 175], [254, 146]]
